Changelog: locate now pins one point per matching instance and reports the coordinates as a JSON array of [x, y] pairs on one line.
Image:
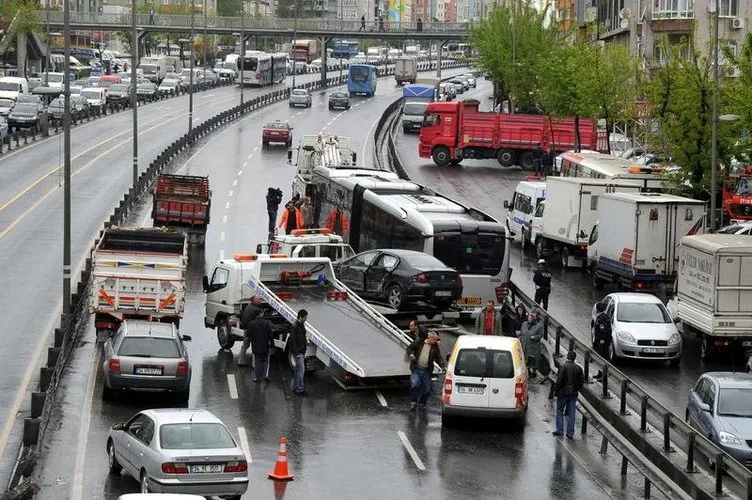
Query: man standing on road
[[542, 280], [291, 218], [488, 321], [568, 385], [423, 354], [262, 336], [249, 314], [273, 199], [602, 334], [298, 345]]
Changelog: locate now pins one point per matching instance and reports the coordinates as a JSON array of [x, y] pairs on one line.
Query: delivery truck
[[405, 70], [713, 297], [634, 244], [183, 202]]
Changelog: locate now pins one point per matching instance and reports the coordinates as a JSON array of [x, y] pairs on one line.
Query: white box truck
[[570, 213], [635, 241], [714, 291], [405, 70], [154, 68]]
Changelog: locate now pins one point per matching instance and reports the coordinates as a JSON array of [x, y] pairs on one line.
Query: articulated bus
[[260, 68], [594, 165], [374, 209]]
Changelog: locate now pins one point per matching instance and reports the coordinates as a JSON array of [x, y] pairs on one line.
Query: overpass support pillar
[[141, 43], [324, 40], [439, 50]]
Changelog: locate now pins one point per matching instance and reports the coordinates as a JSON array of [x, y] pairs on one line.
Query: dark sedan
[[119, 93], [80, 105], [398, 277], [56, 109], [147, 91], [26, 115], [339, 100]]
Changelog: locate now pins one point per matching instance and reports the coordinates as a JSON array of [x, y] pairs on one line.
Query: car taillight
[[520, 393], [639, 285], [421, 278], [447, 389], [258, 76], [182, 369], [114, 365], [458, 279], [174, 468], [239, 466], [583, 247]]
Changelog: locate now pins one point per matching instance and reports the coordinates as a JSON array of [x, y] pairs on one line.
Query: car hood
[[740, 427], [647, 331], [8, 94], [17, 114]]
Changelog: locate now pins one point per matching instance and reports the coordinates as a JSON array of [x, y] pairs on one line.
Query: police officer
[[542, 280], [602, 334]]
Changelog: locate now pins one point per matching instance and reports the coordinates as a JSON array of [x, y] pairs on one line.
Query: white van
[[486, 377], [97, 97], [521, 210], [12, 86]]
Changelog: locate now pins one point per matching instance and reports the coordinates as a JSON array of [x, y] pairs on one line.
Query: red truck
[[453, 131], [183, 202], [737, 194], [304, 50]]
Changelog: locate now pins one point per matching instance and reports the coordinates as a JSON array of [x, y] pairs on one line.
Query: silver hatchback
[[179, 451], [300, 97], [144, 355]]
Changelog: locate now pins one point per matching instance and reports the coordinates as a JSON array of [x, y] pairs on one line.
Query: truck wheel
[[597, 282], [506, 157], [564, 256], [441, 156], [527, 161], [706, 349], [223, 335]]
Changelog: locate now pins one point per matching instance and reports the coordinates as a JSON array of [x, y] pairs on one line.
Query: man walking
[[568, 385], [602, 334], [291, 218], [273, 199], [542, 280], [420, 25], [262, 336], [362, 23], [488, 321], [298, 345], [249, 314], [423, 354]]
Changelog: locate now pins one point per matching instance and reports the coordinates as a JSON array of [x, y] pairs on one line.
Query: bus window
[[470, 253]]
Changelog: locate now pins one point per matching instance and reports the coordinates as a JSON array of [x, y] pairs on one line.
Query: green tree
[[229, 8], [740, 97]]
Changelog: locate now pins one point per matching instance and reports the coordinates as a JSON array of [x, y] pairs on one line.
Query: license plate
[[652, 350], [443, 293], [148, 370], [469, 301], [470, 390], [207, 469]]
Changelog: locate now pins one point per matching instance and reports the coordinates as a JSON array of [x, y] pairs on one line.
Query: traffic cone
[[281, 471]]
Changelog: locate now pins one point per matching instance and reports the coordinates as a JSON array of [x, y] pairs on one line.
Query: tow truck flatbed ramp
[[354, 334]]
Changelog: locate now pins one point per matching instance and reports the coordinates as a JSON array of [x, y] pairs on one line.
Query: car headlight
[[675, 339], [728, 438], [626, 337]]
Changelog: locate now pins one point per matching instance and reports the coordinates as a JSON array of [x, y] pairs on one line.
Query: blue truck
[[416, 98]]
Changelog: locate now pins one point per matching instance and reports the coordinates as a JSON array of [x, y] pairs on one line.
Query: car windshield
[[338, 95], [735, 402], [423, 261], [55, 78], [169, 83], [25, 107], [57, 103], [78, 99], [149, 68], [414, 108], [248, 63], [14, 87], [359, 74], [91, 94], [733, 229], [119, 87], [299, 93], [277, 125], [474, 363], [28, 98], [6, 103], [470, 253], [149, 347], [642, 312], [198, 436]]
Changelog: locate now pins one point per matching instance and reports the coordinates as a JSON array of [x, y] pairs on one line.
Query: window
[[414, 108], [471, 363], [468, 253], [149, 347], [642, 312], [219, 279], [523, 203], [502, 364], [593, 203], [593, 236], [675, 9], [142, 428], [729, 8], [382, 229], [364, 260], [429, 120], [360, 74], [307, 251], [189, 436], [736, 402], [388, 262]]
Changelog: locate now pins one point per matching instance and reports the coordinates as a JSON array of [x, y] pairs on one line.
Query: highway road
[[31, 201], [362, 444], [485, 185]]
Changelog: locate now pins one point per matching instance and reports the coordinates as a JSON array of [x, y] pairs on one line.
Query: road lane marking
[[83, 430], [250, 156], [245, 164], [221, 255], [231, 192], [254, 150], [244, 444], [227, 205], [235, 183], [224, 219], [240, 172], [411, 451], [381, 398], [232, 385], [222, 236], [365, 142]]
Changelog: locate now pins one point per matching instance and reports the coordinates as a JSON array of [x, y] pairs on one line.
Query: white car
[[737, 227], [641, 328]]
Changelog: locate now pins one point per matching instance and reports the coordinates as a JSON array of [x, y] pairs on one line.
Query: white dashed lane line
[[227, 205], [222, 236], [234, 183], [233, 386], [245, 164], [221, 254], [244, 443], [381, 398], [231, 193], [410, 450], [240, 172], [224, 219]]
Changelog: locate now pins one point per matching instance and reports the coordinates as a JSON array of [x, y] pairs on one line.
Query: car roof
[[487, 341], [399, 251], [95, 89], [164, 416], [630, 297], [143, 328], [299, 91], [159, 496], [731, 380]]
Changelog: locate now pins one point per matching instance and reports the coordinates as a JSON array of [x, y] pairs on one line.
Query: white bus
[[260, 68], [594, 165], [374, 209]]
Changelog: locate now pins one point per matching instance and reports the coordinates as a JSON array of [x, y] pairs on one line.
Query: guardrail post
[[26, 136], [53, 353], [644, 414], [749, 487], [604, 446], [30, 431], [37, 403], [583, 428], [691, 453], [624, 465], [719, 474], [667, 433], [45, 377], [587, 365], [623, 400], [604, 382], [557, 347], [545, 327], [647, 488]]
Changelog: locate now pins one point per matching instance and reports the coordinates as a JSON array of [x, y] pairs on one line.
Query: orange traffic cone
[[281, 471]]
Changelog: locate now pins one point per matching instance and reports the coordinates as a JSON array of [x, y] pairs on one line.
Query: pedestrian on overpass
[[261, 333], [298, 345], [488, 321], [381, 22], [362, 23], [423, 354], [568, 385], [420, 25], [542, 280], [246, 317]]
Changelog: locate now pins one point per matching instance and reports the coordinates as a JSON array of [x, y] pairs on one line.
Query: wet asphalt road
[[485, 185], [340, 444], [31, 201]]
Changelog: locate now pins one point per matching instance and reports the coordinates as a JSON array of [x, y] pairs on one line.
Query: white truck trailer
[[714, 291], [154, 67], [346, 334], [405, 69], [319, 151], [635, 242]]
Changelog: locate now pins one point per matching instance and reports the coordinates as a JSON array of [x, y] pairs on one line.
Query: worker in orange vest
[[291, 219]]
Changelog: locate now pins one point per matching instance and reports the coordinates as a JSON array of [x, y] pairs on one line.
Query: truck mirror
[[206, 284], [354, 158], [289, 156], [506, 204], [259, 248], [186, 338]]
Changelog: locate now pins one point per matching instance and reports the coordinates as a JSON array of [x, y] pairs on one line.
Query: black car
[[26, 115], [119, 93], [398, 277], [79, 106], [339, 100], [147, 91], [56, 109]]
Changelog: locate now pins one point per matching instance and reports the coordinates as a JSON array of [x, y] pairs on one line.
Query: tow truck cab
[[319, 242]]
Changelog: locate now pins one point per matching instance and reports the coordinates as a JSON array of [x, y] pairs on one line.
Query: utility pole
[[205, 34], [66, 168], [714, 127], [294, 8], [47, 56], [242, 50], [190, 79], [134, 85]]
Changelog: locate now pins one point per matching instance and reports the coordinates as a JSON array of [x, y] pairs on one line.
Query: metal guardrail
[[666, 441]]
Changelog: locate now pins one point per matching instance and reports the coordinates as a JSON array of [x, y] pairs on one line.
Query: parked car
[[169, 87], [740, 227], [143, 355], [471, 79], [465, 81], [75, 90], [277, 131], [459, 85], [339, 100], [80, 105], [56, 109], [33, 99], [119, 93], [97, 98], [147, 91], [179, 450], [398, 277], [27, 116], [719, 407], [6, 106], [642, 328], [300, 97]]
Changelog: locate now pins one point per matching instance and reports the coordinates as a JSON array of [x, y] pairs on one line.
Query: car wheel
[[145, 482], [264, 144], [223, 335], [290, 104], [112, 461], [395, 296], [505, 157]]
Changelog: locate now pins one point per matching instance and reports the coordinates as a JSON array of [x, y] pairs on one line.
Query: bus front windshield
[[470, 253], [359, 74]]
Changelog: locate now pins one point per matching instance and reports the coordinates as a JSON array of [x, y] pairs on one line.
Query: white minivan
[[486, 377], [521, 210], [12, 86]]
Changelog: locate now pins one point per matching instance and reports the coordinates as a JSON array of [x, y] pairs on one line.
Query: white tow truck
[[319, 151], [320, 242], [346, 334]]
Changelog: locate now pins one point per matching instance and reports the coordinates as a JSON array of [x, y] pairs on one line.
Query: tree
[[230, 8], [740, 93]]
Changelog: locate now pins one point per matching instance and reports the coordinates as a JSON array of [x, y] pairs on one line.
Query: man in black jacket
[[298, 345], [423, 354], [262, 336], [542, 280], [602, 334], [568, 384], [273, 199], [249, 314]]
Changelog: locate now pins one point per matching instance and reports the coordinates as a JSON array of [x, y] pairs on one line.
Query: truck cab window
[[219, 279], [593, 235], [430, 120]]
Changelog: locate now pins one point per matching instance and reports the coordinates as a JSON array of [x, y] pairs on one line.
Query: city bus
[[344, 49], [361, 79], [259, 68], [595, 165], [373, 209]]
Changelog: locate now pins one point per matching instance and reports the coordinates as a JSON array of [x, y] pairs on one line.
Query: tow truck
[[347, 335], [320, 242], [319, 150]]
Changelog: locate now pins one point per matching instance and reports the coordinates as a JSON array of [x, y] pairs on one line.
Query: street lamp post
[[242, 51], [134, 85], [714, 125], [47, 55], [66, 167], [294, 8], [190, 78]]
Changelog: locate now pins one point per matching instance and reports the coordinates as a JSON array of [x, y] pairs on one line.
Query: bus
[[344, 49], [453, 50], [373, 209], [595, 165], [260, 68], [361, 79]]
